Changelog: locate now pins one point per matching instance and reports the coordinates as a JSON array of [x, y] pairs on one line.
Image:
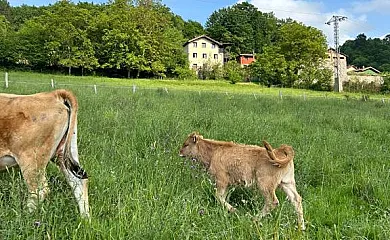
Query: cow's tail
[[281, 156], [70, 153]]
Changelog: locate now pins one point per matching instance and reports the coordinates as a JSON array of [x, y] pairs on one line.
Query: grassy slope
[[141, 189], [62, 81]]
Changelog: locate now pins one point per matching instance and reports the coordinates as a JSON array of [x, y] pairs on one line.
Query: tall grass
[[140, 189]]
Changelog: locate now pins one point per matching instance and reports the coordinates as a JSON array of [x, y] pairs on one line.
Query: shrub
[[233, 72]]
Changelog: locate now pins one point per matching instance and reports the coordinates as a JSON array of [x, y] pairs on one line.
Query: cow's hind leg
[[270, 200], [78, 181], [290, 189], [37, 185]]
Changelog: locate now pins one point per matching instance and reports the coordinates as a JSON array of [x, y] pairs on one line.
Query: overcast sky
[[371, 17]]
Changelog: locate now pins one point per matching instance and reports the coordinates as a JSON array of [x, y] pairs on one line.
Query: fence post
[[6, 79], [134, 88], [166, 90], [52, 83], [95, 89], [304, 96], [280, 94], [254, 95]]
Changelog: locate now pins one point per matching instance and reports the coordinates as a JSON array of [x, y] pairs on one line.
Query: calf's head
[[190, 147]]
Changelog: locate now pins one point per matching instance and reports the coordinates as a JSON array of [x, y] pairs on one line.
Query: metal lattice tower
[[338, 87]]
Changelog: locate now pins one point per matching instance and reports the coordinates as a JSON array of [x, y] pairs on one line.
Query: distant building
[[245, 59], [365, 75], [331, 63], [204, 50]]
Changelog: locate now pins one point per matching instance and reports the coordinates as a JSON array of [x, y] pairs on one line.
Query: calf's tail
[[280, 156]]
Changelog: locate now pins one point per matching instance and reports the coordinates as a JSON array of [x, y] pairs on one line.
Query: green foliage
[[354, 85], [233, 72], [243, 26], [366, 52], [270, 68], [184, 73], [385, 88], [137, 37], [319, 79], [192, 29], [6, 34]]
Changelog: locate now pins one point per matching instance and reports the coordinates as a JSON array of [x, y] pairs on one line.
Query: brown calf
[[37, 128], [230, 163]]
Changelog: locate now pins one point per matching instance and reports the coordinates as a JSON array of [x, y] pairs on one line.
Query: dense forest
[[144, 38], [368, 52]]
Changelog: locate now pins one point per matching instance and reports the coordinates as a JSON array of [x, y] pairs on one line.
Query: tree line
[[364, 52], [144, 38]]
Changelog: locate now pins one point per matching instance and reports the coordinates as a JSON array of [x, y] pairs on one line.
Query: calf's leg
[[221, 195], [290, 189], [270, 200]]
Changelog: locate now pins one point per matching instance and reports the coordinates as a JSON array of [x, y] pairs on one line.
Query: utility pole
[[338, 85]]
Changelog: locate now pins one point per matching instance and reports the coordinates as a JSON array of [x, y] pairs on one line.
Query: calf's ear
[[194, 138]]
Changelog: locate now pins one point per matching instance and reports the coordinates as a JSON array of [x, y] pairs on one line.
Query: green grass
[[140, 188]]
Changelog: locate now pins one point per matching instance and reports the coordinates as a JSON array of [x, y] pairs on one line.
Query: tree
[[233, 72], [20, 14], [242, 25], [6, 40], [302, 47], [365, 51], [31, 46], [270, 68], [5, 9], [192, 29]]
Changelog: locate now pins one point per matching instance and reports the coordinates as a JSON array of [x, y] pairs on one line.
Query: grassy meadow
[[141, 189]]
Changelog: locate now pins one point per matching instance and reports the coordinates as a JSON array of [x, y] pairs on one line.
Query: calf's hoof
[[232, 210]]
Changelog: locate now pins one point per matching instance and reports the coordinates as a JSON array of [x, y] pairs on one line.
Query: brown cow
[[230, 163], [35, 129]]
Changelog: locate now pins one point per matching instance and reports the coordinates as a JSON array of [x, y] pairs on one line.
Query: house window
[[213, 45], [203, 45], [204, 55], [194, 55], [195, 44], [194, 66], [215, 56]]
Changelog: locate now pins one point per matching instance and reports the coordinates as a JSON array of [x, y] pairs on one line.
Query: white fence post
[[134, 88], [254, 95], [95, 89], [6, 79], [52, 83], [280, 94], [166, 90]]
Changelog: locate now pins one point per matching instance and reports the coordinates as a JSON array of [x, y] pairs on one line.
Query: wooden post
[[134, 88], [280, 94], [6, 80], [52, 83], [95, 89]]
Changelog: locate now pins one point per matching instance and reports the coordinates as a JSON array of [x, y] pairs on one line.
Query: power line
[[338, 87]]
